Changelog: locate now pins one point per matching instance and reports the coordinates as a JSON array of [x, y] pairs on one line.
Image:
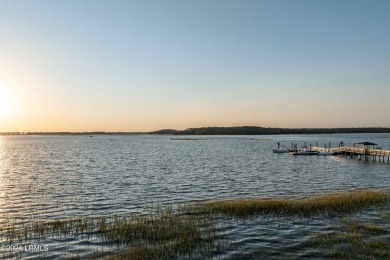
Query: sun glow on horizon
[[147, 67], [7, 101]]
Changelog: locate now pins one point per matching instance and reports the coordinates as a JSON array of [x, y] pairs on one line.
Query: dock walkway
[[361, 153]]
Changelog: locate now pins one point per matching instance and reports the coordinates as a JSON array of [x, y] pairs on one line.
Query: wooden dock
[[360, 153]]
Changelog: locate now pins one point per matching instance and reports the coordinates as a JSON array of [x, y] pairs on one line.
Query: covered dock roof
[[367, 145]]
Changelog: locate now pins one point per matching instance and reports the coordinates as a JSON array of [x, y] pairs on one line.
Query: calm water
[[44, 177]]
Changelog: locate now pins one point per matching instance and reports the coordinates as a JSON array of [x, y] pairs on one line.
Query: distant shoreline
[[239, 130], [256, 130]]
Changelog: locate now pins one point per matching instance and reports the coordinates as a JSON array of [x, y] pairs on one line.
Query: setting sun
[[7, 101]]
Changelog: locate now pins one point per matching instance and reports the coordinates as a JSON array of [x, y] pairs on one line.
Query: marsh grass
[[53, 228], [193, 230], [374, 229], [353, 240], [326, 205], [156, 237], [161, 235], [354, 226]]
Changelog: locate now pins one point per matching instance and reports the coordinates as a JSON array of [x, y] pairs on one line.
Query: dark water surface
[[47, 177]]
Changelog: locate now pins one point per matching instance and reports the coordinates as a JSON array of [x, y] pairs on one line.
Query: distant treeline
[[236, 130], [256, 130]]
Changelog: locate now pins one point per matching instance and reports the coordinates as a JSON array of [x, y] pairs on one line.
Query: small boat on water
[[281, 149], [304, 152]]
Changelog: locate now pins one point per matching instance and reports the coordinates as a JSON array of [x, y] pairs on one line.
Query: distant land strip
[[257, 130], [236, 130]]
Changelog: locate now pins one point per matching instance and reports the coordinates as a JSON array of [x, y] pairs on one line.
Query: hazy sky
[[146, 65]]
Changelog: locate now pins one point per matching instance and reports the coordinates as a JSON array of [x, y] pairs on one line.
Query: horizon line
[[171, 129]]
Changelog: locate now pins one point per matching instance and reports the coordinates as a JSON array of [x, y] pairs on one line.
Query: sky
[[145, 65]]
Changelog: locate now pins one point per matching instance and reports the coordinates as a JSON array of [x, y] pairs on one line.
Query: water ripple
[[66, 176]]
